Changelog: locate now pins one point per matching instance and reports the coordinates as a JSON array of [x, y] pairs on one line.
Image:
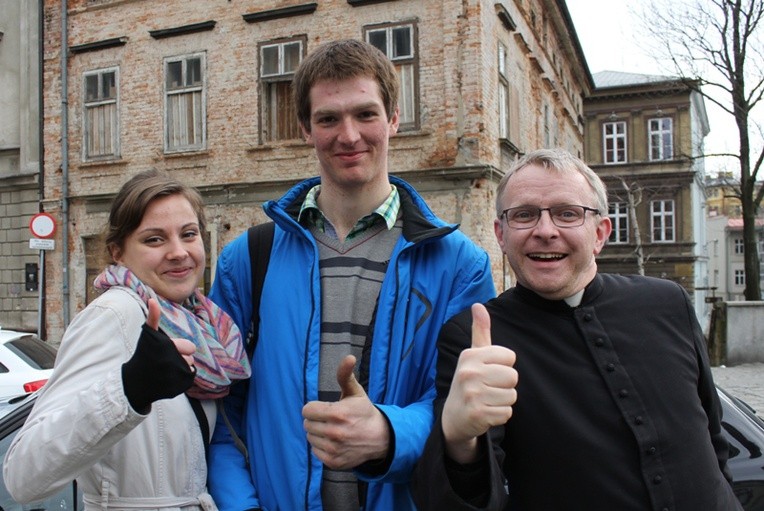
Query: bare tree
[[716, 48], [633, 199]]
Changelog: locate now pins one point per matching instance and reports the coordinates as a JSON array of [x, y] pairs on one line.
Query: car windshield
[[33, 351]]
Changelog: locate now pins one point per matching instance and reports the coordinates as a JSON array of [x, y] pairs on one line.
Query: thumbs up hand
[[345, 377], [482, 391], [348, 432], [185, 347], [160, 367]]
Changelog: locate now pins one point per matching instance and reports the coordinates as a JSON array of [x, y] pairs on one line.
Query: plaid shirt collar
[[311, 215]]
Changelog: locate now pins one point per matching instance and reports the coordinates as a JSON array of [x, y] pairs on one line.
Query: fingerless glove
[[155, 371]]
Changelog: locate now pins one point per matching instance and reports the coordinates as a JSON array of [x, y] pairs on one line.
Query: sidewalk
[[745, 381]]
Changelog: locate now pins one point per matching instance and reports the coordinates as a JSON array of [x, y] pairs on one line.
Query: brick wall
[[454, 158]]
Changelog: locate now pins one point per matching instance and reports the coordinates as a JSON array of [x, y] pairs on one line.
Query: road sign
[[43, 225], [38, 244]]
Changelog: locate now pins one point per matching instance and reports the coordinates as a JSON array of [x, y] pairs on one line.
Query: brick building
[[200, 89], [19, 161], [644, 136]]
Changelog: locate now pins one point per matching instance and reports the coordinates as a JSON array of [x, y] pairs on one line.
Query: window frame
[[739, 277], [86, 105], [504, 97], [619, 217], [662, 214], [401, 62], [269, 123], [185, 89], [660, 132], [738, 245], [615, 137]]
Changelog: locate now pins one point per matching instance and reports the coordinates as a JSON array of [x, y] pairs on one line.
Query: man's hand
[[349, 432], [482, 392]]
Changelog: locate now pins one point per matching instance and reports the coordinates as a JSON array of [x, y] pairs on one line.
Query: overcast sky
[[610, 40]]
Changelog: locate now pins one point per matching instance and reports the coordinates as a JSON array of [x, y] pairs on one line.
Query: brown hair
[[134, 198], [341, 60]]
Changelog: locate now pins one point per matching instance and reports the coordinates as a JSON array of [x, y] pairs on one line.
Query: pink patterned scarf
[[220, 356]]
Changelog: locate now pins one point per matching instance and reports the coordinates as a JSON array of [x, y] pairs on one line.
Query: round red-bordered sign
[[43, 225]]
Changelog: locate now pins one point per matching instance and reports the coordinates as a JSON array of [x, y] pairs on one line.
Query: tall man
[[595, 389], [362, 276]]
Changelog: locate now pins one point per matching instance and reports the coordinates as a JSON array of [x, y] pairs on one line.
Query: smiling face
[[166, 251], [350, 130], [554, 262]]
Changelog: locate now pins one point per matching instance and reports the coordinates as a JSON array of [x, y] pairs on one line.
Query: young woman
[[129, 408]]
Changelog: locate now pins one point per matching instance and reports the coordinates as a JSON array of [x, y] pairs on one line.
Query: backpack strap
[[260, 241]]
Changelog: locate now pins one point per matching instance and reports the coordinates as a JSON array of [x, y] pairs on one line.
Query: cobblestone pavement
[[745, 381]]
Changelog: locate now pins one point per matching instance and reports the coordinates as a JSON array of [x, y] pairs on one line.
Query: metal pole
[[40, 293]]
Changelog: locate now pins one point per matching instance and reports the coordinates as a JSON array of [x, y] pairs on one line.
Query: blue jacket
[[435, 271]]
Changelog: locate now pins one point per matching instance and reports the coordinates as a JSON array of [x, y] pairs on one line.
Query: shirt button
[[599, 342], [623, 393], [610, 368], [657, 480], [651, 450], [587, 317], [638, 420]]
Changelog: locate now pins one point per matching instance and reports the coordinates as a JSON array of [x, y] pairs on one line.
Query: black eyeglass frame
[[551, 216]]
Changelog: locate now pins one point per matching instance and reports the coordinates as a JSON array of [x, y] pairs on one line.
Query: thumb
[[481, 326], [155, 311], [345, 377]]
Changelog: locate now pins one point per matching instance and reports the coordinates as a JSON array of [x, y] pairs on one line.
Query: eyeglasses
[[525, 217]]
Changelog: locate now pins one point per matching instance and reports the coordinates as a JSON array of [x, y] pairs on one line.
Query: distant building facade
[[725, 254], [644, 135], [722, 195], [201, 90], [19, 162]]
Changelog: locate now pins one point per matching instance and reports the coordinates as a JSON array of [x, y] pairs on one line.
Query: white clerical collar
[[575, 300]]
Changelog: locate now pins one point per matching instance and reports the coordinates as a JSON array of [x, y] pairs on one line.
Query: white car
[[26, 363]]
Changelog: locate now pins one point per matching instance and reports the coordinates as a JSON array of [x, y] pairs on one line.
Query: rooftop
[[605, 79]]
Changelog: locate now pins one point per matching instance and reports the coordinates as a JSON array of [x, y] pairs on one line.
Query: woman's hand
[[160, 368], [185, 347]]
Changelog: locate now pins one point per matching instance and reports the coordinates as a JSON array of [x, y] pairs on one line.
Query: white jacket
[[83, 427]]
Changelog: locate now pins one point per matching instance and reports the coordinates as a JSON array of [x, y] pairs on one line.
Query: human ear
[[604, 228]]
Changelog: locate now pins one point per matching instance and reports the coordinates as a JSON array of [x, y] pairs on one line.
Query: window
[[185, 110], [101, 124], [614, 142], [399, 44], [739, 249], [278, 62], [503, 93], [661, 139], [662, 213], [619, 216], [547, 134], [740, 277]]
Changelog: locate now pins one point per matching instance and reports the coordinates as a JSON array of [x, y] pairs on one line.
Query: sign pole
[[40, 293]]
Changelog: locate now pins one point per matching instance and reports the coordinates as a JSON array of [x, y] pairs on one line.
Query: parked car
[[13, 413], [744, 430], [742, 427], [26, 363]]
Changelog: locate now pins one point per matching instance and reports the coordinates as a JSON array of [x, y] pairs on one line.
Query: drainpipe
[[41, 333], [64, 163]]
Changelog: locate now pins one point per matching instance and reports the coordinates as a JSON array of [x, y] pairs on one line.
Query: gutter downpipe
[[41, 333], [64, 163]]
